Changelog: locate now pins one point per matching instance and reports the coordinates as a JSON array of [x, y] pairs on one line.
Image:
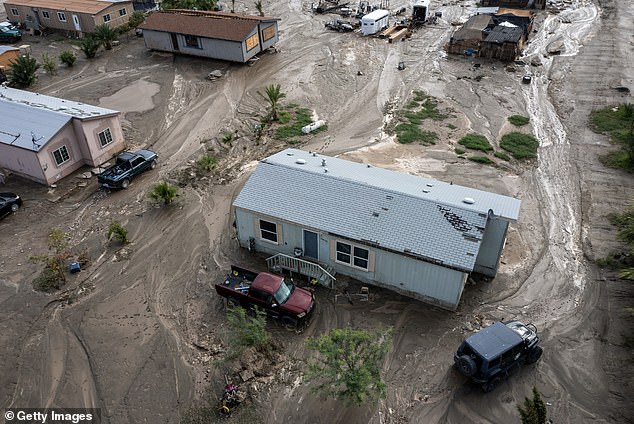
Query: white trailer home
[[374, 22], [420, 11]]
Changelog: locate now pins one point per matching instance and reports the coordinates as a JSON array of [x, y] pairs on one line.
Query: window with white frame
[[61, 16], [61, 155], [268, 231], [45, 14], [123, 12], [106, 17], [15, 12], [105, 137], [352, 255]]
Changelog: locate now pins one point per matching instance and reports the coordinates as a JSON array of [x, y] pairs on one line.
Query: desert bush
[[476, 142], [164, 192], [518, 120], [118, 231], [68, 58], [53, 275], [206, 163], [481, 159], [502, 155], [247, 330], [49, 64], [520, 145]]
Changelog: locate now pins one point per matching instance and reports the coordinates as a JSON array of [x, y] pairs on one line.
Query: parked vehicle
[[339, 25], [127, 166], [526, 79], [489, 355], [9, 203], [275, 294], [9, 34]]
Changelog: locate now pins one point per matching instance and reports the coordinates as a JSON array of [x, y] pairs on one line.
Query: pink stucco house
[[45, 138]]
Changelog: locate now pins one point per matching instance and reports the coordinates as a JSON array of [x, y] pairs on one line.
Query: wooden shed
[[503, 42], [216, 35], [471, 34], [7, 55]]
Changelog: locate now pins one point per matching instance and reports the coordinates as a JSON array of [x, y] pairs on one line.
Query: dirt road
[[136, 333]]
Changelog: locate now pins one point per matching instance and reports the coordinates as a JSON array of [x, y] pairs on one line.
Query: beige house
[[76, 17], [45, 138]]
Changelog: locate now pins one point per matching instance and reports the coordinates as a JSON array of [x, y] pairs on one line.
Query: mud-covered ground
[[139, 331]]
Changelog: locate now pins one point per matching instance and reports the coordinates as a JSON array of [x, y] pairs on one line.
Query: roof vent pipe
[[323, 162]]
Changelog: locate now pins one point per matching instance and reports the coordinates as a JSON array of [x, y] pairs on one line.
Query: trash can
[[74, 267]]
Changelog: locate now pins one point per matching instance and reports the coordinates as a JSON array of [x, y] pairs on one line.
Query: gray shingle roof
[[396, 211], [503, 34]]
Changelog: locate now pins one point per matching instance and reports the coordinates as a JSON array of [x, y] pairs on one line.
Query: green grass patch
[[613, 119], [284, 117], [518, 120], [412, 105], [476, 142], [419, 96], [299, 117], [520, 145], [481, 159], [502, 155], [460, 151]]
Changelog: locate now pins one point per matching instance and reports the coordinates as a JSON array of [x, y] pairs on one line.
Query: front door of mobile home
[[311, 244]]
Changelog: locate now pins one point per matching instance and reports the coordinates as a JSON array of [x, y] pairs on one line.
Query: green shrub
[[68, 58], [247, 331], [136, 19], [502, 155], [164, 192], [460, 151], [22, 71], [476, 142], [118, 231], [89, 46], [519, 145], [300, 117], [206, 163], [518, 120], [409, 133], [49, 64], [481, 159]]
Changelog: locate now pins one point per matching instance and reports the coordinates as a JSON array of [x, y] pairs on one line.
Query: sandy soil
[[136, 333]]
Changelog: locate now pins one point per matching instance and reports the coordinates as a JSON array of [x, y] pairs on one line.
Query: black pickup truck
[[127, 166], [275, 294]]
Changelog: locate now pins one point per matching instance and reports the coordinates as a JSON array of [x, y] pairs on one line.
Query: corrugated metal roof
[[218, 25], [54, 104], [20, 125], [81, 6], [502, 34], [396, 211]]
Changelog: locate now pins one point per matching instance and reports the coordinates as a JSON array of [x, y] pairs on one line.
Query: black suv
[[489, 355]]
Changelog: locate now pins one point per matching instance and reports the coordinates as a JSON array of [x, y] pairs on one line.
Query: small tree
[[247, 331], [164, 192], [89, 46], [49, 64], [22, 71], [68, 58], [349, 367], [136, 19], [534, 410], [258, 7], [273, 94], [105, 35], [119, 232], [53, 275]]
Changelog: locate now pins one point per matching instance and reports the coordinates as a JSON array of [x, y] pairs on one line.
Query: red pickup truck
[[275, 294]]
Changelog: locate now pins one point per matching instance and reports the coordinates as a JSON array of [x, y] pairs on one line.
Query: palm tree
[[273, 94], [258, 6], [105, 35], [22, 71]]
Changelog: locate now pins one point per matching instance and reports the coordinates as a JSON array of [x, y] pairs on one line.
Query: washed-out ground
[[139, 331]]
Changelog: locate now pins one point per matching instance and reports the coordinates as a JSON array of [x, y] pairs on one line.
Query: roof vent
[[430, 185], [323, 162], [375, 214], [325, 169], [425, 190], [468, 201], [300, 161], [289, 154], [369, 166], [314, 154]]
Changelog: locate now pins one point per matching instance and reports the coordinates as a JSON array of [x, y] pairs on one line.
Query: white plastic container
[[313, 126]]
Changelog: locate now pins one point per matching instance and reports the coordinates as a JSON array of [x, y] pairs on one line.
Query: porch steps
[[325, 276]]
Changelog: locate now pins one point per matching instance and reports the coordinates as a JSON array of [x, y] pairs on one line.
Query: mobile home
[[413, 235], [374, 22]]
